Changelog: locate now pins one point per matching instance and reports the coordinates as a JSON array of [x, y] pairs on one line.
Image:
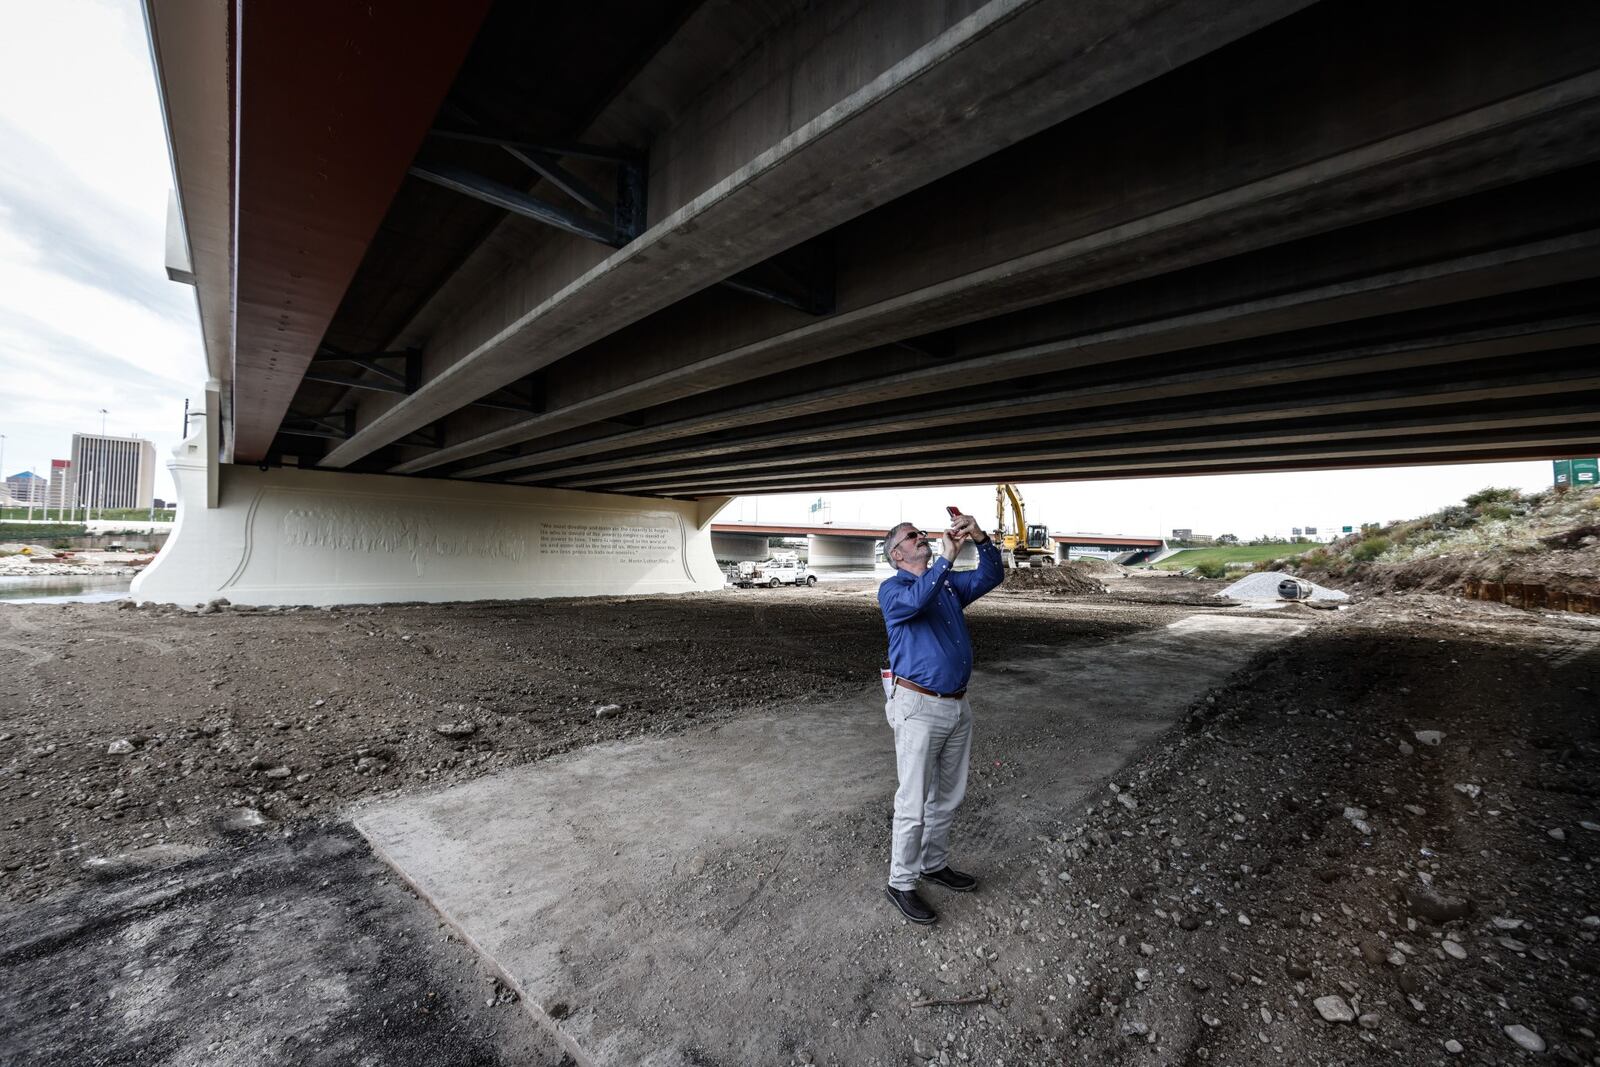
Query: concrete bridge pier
[[740, 546], [286, 536], [841, 551]]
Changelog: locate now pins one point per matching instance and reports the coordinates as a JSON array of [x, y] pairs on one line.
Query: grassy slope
[[1190, 557], [1490, 523]]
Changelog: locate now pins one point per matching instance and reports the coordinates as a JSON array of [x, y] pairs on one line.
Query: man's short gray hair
[[895, 531]]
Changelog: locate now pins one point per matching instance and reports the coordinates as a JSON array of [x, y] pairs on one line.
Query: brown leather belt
[[915, 688]]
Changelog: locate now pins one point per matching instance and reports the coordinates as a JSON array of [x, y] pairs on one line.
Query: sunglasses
[[911, 535]]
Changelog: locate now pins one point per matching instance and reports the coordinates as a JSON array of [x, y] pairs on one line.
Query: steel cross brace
[[333, 425], [796, 280], [620, 219], [405, 380]]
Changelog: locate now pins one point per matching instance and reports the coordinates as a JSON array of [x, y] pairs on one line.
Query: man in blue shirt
[[930, 655]]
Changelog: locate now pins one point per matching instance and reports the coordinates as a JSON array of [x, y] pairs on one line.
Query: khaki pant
[[932, 747]]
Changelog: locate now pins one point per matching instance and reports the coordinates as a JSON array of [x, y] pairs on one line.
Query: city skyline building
[[57, 494], [26, 487], [107, 471]]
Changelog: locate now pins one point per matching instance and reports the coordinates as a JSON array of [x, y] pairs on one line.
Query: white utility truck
[[779, 570]]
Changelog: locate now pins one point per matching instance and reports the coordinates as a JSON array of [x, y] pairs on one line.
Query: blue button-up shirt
[[928, 640]]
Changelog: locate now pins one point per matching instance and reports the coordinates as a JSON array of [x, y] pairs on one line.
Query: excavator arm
[[1008, 496], [1015, 537]]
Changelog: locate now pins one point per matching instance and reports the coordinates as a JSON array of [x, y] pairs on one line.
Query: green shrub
[[1370, 549], [1491, 495], [1211, 568], [38, 533]]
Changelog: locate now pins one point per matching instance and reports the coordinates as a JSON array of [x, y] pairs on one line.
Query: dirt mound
[[1102, 567], [1064, 581]]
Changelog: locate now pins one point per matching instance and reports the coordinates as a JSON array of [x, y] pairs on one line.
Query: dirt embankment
[[1376, 844], [1549, 539], [1575, 570]]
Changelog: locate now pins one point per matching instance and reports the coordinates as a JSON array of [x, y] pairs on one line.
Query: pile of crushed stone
[[1065, 581], [1263, 585]]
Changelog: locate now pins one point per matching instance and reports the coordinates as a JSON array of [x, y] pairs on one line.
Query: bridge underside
[[730, 248]]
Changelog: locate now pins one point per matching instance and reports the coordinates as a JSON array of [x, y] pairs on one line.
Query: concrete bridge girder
[[1520, 306], [919, 104], [1334, 184]]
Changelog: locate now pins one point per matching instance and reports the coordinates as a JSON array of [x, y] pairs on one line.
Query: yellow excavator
[[1021, 544]]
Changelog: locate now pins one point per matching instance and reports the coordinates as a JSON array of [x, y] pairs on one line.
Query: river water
[[63, 589]]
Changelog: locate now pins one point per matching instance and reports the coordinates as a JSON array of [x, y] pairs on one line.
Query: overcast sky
[[88, 319]]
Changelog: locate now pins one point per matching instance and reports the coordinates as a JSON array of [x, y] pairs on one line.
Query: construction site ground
[[665, 820]]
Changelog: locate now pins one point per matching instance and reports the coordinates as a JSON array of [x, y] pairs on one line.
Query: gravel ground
[[121, 728], [1304, 849]]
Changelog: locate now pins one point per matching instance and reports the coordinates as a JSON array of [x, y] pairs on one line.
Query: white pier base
[[284, 536]]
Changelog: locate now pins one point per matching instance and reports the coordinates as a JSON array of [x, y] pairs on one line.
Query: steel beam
[[331, 103]]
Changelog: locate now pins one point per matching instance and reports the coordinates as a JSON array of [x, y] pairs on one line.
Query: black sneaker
[[953, 879], [911, 905]]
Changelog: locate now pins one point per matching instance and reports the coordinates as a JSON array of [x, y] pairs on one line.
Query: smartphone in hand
[[955, 513]]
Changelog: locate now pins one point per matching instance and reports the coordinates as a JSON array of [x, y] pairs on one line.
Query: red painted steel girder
[[333, 99]]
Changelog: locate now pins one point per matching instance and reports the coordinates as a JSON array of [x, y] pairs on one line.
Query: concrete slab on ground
[[718, 898]]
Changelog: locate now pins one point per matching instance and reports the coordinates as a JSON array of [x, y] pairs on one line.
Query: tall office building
[[112, 472], [26, 487], [59, 492]]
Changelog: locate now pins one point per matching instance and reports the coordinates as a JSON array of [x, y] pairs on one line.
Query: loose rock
[[1525, 1038], [1334, 1009], [1436, 907]]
